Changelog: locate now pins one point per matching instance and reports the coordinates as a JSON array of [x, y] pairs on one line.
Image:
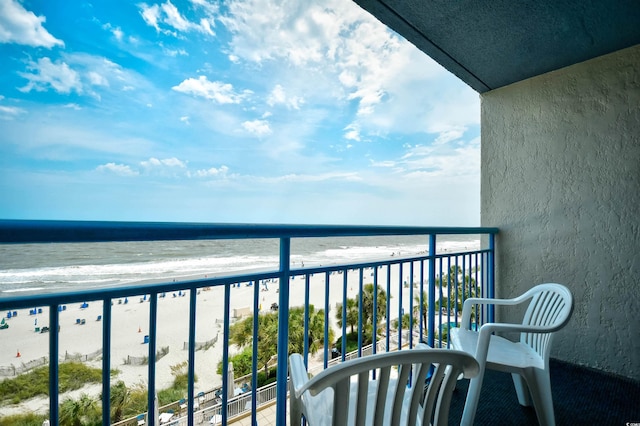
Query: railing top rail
[[54, 231]]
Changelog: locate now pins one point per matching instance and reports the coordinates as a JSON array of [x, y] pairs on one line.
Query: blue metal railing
[[482, 260]]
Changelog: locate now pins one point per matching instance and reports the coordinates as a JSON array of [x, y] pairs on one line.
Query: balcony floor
[[581, 396]]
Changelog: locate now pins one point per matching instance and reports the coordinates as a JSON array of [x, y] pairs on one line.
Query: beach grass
[[72, 376], [27, 419]]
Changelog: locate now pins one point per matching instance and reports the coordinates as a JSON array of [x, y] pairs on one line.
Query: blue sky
[[258, 111]]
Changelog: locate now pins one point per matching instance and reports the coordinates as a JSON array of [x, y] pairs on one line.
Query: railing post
[[411, 305], [400, 310], [153, 319], [224, 411], [54, 337], [492, 276], [374, 331], [254, 351], [283, 331], [432, 291], [193, 297], [106, 361], [343, 349], [360, 314]]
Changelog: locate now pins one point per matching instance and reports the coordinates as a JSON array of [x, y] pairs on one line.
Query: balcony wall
[[560, 177]]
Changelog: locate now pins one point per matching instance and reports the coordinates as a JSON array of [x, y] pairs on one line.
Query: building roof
[[492, 43]]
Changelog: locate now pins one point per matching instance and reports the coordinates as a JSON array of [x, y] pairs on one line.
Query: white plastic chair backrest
[[432, 406], [550, 308]]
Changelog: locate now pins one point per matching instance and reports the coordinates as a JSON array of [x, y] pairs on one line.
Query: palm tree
[[119, 399], [70, 413], [241, 334], [368, 296], [352, 314], [80, 412]]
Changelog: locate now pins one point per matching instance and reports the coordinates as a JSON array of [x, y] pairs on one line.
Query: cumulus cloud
[[279, 97], [166, 18], [154, 163], [216, 91], [118, 169], [213, 172], [55, 75], [257, 127], [18, 25], [81, 73], [395, 87]]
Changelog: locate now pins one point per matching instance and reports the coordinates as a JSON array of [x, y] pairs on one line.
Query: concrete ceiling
[[492, 43]]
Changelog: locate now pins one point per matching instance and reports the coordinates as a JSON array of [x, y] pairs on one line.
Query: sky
[[252, 111]]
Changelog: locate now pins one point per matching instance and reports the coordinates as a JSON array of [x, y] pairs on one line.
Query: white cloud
[[257, 127], [213, 172], [150, 14], [185, 119], [58, 76], [441, 161], [97, 79], [73, 106], [174, 52], [154, 163], [395, 87], [118, 169], [9, 113], [352, 132], [279, 97], [82, 73], [310, 178], [18, 25], [118, 34], [217, 91], [166, 18]]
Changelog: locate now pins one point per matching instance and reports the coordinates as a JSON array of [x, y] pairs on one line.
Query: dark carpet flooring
[[581, 396]]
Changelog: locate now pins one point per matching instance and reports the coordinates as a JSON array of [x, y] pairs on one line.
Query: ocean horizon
[[45, 268]]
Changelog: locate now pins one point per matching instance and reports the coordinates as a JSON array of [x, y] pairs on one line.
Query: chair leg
[[473, 396], [522, 390], [540, 388]]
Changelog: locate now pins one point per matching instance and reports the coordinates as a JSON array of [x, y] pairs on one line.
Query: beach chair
[[363, 389], [549, 309]]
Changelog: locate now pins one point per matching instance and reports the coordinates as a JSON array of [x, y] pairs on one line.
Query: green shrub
[[28, 419], [71, 376]]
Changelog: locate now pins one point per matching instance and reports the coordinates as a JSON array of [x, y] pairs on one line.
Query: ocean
[[44, 268]]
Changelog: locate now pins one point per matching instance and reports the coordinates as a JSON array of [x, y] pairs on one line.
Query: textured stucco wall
[[561, 179]]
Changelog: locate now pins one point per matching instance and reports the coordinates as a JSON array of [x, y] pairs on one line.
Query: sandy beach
[[130, 324]]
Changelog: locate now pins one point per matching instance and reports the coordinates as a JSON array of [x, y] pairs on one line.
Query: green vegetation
[[72, 376], [241, 334], [460, 286], [368, 296], [86, 410]]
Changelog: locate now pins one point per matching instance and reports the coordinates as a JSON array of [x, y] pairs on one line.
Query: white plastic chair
[[347, 393], [550, 307]]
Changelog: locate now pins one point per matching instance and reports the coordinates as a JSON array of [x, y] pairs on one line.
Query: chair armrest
[[298, 375], [468, 305]]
